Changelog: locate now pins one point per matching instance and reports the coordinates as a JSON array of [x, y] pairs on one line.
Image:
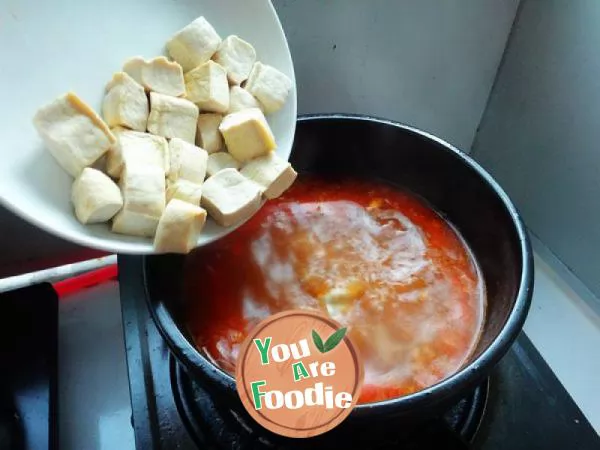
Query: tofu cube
[[157, 75], [188, 162], [143, 191], [269, 86], [179, 227], [73, 133], [132, 223], [247, 134], [195, 44], [172, 117], [207, 87], [208, 135], [136, 149], [237, 57], [133, 67], [125, 103], [274, 174], [185, 191], [95, 197], [229, 197], [219, 161], [240, 98]]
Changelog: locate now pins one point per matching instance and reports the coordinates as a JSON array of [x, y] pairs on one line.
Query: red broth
[[374, 258]]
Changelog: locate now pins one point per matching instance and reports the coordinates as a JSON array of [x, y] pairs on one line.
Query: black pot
[[453, 184]]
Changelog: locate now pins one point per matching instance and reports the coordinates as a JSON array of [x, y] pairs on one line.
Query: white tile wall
[[539, 135]]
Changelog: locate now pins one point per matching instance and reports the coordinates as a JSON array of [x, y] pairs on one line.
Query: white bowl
[[51, 47]]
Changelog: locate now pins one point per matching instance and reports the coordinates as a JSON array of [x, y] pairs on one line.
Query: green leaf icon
[[318, 341], [334, 340], [331, 342]]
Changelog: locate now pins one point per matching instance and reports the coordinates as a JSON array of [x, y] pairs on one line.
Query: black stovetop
[[522, 406], [28, 368]]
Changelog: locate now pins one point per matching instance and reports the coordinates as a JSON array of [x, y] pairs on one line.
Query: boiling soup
[[374, 258]]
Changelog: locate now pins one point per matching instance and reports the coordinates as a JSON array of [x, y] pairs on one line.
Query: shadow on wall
[[425, 63], [539, 136]]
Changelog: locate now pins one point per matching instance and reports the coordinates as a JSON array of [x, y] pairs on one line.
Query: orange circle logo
[[298, 374]]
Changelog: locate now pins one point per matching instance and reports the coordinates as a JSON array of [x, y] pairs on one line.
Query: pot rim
[[466, 376]]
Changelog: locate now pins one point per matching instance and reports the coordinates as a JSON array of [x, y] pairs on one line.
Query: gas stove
[[521, 406]]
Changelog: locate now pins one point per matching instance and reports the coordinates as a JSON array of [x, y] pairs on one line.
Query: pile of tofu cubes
[[178, 139]]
